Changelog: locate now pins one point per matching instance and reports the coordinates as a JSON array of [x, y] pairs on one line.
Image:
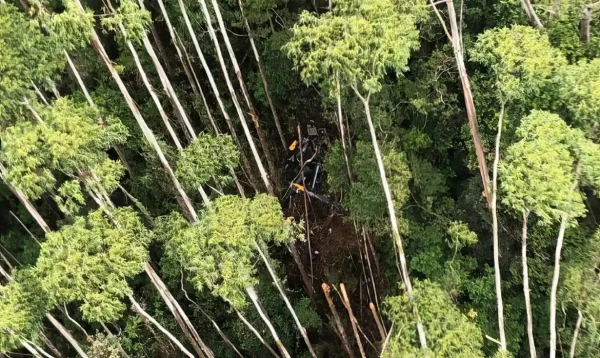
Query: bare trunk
[[139, 310], [41, 350], [99, 48], [575, 334], [263, 76], [159, 45], [213, 85], [188, 329], [337, 320], [63, 331], [30, 349], [50, 346], [533, 18], [494, 209], [470, 105], [25, 201], [307, 281], [40, 94], [556, 274], [526, 289], [257, 334], [586, 19], [155, 99], [236, 103], [352, 320], [342, 131], [238, 73], [286, 300], [252, 294], [393, 220], [377, 321]]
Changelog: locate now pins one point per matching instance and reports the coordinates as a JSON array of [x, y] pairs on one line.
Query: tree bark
[[135, 306], [30, 349], [307, 282], [213, 85], [337, 320], [533, 18], [352, 320], [575, 334], [469, 103], [586, 19], [63, 331], [342, 130], [236, 103], [286, 300], [254, 298], [184, 322], [159, 45], [556, 275], [263, 77], [238, 73], [377, 321], [494, 209], [393, 220], [532, 352], [257, 334], [99, 48]]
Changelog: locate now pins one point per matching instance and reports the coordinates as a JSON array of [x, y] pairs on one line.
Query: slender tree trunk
[[469, 103], [238, 73], [393, 220], [135, 306], [201, 349], [236, 103], [30, 349], [337, 320], [377, 321], [150, 89], [63, 331], [307, 282], [257, 334], [526, 289], [40, 94], [41, 350], [341, 124], [352, 320], [286, 300], [159, 45], [575, 334], [263, 77], [586, 19], [533, 18], [99, 48], [494, 209], [25, 201], [51, 346], [556, 275], [213, 85], [254, 298]]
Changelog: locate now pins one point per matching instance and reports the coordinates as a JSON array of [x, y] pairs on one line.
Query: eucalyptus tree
[[358, 43], [220, 102], [233, 95], [79, 15], [219, 251], [522, 62]]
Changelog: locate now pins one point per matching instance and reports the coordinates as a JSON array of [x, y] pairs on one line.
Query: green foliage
[[539, 170], [69, 29], [219, 252], [521, 59], [356, 42], [91, 260], [70, 198], [460, 235], [134, 19], [22, 307], [207, 156], [450, 333], [580, 92], [104, 347]]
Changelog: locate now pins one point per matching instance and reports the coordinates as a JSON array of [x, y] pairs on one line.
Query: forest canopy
[[292, 178]]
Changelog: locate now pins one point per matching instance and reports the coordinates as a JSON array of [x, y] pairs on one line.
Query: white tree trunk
[[63, 331], [238, 73], [342, 130], [139, 310], [532, 352], [286, 300], [494, 209], [257, 334], [30, 349], [236, 103], [97, 45], [533, 18], [575, 334], [352, 320], [393, 220], [184, 322], [263, 76], [254, 298], [556, 274]]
